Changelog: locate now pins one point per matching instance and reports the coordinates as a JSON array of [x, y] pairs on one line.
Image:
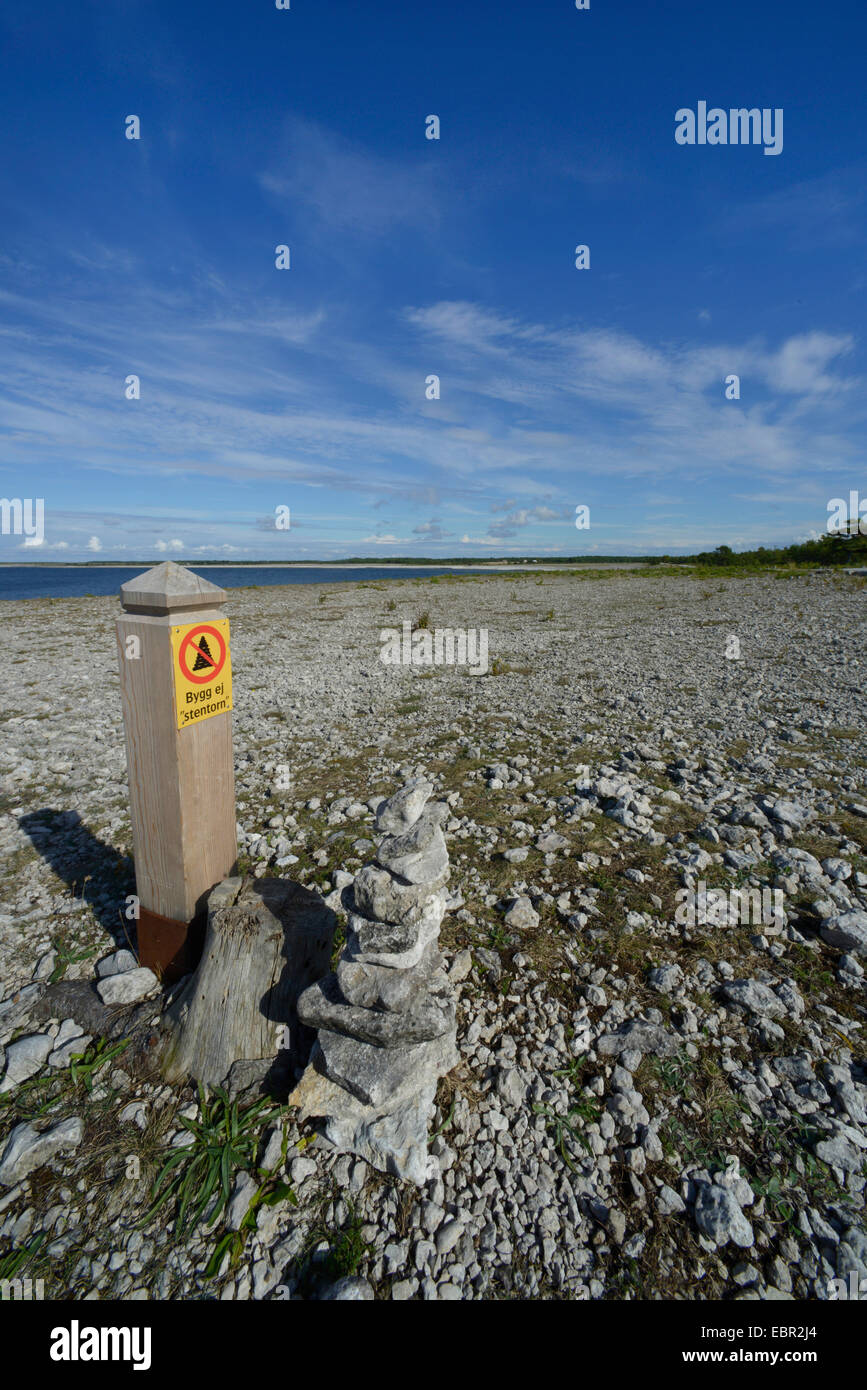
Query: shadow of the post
[[96, 873]]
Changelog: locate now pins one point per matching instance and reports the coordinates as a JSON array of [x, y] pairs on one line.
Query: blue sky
[[305, 388]]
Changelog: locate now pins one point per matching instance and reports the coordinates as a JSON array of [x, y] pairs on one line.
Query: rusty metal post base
[[168, 947]]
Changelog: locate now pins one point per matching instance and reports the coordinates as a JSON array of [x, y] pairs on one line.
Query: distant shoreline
[[316, 564]]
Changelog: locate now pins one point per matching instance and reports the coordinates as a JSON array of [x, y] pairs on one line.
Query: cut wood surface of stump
[[266, 940]]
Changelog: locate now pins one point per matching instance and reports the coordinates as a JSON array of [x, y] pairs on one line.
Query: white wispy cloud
[[431, 530], [531, 411], [346, 185], [826, 211]]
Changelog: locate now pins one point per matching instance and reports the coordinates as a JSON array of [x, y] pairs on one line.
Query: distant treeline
[[512, 561], [371, 561], [830, 549]]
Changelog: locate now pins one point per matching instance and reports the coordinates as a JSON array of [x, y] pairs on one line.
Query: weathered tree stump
[[267, 939]]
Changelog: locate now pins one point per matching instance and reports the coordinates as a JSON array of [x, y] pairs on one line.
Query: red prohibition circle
[[188, 642]]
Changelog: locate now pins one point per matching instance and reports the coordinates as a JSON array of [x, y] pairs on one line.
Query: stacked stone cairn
[[386, 1016]]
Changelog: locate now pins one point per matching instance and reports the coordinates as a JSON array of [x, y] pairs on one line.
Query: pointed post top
[[167, 588]]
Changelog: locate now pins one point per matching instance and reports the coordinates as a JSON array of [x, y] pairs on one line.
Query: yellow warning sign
[[203, 671]]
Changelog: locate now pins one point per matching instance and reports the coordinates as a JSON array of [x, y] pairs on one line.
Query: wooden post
[[176, 690]]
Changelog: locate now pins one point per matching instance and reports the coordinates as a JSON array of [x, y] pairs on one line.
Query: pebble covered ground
[[662, 1092]]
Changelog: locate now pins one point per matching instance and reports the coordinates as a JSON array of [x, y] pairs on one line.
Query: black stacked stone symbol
[[203, 656]]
